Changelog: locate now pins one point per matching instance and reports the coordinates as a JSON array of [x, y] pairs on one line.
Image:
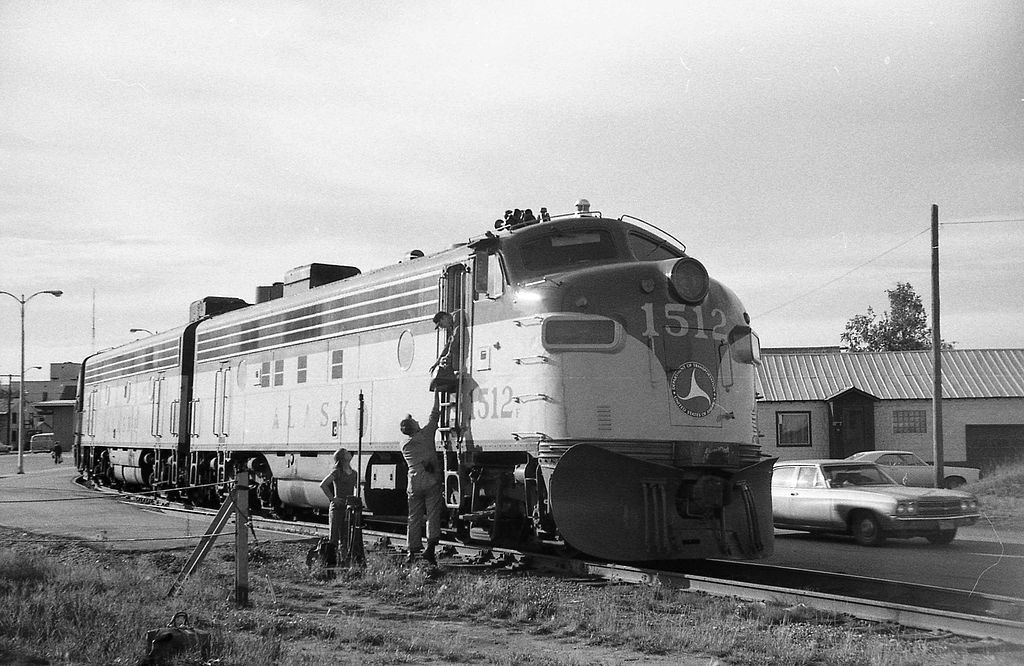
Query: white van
[[41, 442]]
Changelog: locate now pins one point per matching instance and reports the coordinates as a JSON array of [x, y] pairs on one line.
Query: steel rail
[[1007, 628]]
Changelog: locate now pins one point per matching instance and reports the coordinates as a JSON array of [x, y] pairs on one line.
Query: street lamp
[[21, 387], [141, 330]]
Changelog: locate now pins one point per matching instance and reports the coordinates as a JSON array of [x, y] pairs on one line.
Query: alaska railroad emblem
[[693, 389]]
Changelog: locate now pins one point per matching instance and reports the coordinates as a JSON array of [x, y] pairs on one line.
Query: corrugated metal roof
[[966, 373]]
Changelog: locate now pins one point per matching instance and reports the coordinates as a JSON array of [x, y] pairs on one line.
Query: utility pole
[[936, 355]]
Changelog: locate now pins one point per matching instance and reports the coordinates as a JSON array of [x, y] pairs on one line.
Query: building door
[[989, 446], [856, 435], [853, 423]]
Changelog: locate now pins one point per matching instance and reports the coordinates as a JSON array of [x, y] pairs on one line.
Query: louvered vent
[[604, 417]]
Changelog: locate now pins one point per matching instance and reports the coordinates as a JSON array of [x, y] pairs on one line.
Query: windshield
[[563, 248], [860, 475]]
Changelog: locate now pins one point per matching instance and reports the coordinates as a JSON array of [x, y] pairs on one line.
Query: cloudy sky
[[152, 153]]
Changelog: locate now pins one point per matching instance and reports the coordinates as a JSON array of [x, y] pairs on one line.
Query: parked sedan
[[910, 470], [858, 498]]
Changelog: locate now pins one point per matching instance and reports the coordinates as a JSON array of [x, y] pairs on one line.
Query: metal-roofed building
[[828, 404]]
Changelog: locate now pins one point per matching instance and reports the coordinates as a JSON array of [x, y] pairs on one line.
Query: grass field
[[65, 603]]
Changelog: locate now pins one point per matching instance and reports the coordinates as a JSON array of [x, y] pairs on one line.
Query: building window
[[909, 420], [300, 375], [279, 372], [793, 428], [337, 363], [265, 374]]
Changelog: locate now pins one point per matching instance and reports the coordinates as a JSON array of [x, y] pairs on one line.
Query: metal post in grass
[[241, 539]]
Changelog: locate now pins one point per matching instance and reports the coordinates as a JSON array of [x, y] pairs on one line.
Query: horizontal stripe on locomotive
[[407, 314], [276, 325], [273, 312], [148, 359], [349, 307]]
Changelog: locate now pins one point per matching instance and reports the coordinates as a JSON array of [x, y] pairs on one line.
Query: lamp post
[[21, 387]]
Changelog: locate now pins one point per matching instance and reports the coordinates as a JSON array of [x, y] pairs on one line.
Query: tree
[[903, 328]]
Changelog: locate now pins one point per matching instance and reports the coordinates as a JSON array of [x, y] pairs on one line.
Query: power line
[[952, 222], [846, 274]]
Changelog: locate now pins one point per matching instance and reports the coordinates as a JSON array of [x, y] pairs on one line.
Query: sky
[[153, 153]]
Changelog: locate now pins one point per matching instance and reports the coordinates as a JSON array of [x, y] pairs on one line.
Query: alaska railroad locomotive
[[604, 392]]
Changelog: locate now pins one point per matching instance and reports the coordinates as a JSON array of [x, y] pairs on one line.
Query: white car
[[858, 498], [909, 469]]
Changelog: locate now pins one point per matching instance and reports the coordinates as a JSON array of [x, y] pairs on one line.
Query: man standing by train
[[424, 487]]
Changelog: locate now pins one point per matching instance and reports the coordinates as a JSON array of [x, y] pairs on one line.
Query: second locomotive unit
[[605, 392]]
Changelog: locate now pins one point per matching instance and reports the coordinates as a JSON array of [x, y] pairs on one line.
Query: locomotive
[[604, 393]]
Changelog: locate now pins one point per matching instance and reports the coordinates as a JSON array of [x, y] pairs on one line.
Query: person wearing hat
[[339, 485], [424, 487]]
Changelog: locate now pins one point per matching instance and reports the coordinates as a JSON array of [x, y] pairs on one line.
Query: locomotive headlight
[[689, 280], [528, 296]]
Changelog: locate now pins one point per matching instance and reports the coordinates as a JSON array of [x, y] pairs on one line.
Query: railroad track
[[929, 608]]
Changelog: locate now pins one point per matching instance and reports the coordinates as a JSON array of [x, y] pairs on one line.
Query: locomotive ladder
[[451, 441], [452, 296]]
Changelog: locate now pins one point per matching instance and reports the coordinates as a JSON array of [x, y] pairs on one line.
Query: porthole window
[[406, 349], [240, 376]]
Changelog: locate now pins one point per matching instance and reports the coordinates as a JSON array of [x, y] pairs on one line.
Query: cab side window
[[495, 276], [489, 281]]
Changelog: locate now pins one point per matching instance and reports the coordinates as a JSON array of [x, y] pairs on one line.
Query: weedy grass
[[1001, 494], [94, 608]]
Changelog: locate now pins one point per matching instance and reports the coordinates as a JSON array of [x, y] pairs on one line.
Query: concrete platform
[[45, 500]]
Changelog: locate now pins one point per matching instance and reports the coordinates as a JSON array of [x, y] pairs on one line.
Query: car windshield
[[860, 475]]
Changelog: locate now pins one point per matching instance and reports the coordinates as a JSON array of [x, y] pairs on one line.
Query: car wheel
[[866, 529], [941, 538], [954, 482]]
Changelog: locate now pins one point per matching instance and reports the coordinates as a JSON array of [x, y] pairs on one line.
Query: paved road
[[46, 501], [984, 565]]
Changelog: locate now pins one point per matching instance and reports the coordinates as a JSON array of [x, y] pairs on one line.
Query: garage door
[[989, 446]]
